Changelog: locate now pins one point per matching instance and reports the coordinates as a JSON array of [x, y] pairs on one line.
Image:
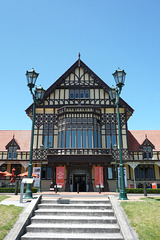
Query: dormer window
[[12, 154], [147, 148], [147, 152], [12, 147]]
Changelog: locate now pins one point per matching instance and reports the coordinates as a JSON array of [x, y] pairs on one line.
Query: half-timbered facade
[[77, 125]]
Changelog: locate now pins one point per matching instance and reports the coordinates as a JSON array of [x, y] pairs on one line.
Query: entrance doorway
[[81, 179]]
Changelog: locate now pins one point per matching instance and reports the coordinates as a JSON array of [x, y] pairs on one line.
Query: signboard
[[125, 176], [98, 176], [154, 185], [27, 180], [60, 176], [37, 171]]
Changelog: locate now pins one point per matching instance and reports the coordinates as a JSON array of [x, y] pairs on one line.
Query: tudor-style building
[[77, 124]]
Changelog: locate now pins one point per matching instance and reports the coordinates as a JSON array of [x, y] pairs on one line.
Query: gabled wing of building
[[79, 77]]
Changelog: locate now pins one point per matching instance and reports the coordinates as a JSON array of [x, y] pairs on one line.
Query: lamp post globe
[[112, 94], [39, 93], [119, 77], [31, 78]]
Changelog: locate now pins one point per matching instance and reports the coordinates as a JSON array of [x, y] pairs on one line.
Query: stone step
[[73, 219], [74, 212], [72, 236], [75, 201], [73, 228], [74, 206]]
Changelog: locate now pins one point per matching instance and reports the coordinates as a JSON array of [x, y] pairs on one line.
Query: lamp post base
[[28, 194], [122, 195]]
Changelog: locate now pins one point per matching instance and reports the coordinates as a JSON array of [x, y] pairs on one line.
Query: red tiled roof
[[137, 137], [22, 137]]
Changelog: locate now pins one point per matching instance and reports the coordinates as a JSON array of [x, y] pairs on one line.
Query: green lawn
[[144, 217], [3, 197], [9, 215]]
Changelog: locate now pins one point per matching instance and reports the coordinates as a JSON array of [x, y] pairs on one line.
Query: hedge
[[141, 190], [128, 190], [12, 190]]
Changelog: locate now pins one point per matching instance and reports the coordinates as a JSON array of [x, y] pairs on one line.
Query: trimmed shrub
[[12, 190], [141, 190]]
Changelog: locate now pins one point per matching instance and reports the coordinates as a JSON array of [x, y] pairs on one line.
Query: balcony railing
[[137, 155], [19, 156], [78, 151], [74, 109], [133, 155]]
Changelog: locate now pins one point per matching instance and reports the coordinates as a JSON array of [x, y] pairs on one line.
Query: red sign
[[99, 176], [60, 176], [154, 185]]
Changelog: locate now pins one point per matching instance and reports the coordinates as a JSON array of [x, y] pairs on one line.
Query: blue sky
[[49, 34]]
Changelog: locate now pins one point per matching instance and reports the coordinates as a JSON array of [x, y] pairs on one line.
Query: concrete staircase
[[73, 219]]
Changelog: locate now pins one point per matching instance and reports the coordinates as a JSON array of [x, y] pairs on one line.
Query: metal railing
[[78, 151], [19, 156], [74, 109], [137, 155], [133, 155]]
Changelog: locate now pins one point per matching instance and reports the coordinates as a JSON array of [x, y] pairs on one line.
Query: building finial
[[145, 135], [79, 61], [13, 136]]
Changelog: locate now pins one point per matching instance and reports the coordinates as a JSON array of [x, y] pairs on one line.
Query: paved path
[[15, 199]]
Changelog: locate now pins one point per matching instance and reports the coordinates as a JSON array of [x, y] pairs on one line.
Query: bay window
[[80, 133]]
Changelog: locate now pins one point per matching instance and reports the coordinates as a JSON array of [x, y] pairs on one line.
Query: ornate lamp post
[[115, 151], [41, 148], [37, 95], [119, 77]]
